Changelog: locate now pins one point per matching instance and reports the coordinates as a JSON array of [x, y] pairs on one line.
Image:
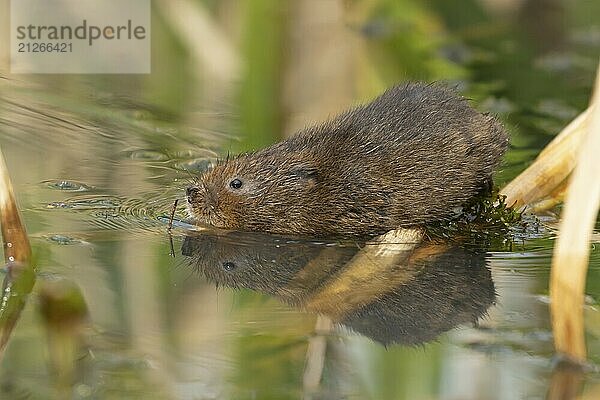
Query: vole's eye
[[235, 184], [191, 193], [228, 266]]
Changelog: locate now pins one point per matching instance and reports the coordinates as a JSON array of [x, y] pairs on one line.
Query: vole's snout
[[192, 193]]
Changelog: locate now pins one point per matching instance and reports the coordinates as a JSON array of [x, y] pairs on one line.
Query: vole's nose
[[191, 193]]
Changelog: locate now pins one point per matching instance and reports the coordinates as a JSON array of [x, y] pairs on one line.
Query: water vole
[[409, 157]]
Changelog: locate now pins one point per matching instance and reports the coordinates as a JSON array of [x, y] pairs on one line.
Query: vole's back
[[410, 157]]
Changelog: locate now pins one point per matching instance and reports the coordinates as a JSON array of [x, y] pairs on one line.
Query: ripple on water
[[63, 240], [137, 213], [146, 155], [87, 203], [67, 185], [196, 165], [116, 213]]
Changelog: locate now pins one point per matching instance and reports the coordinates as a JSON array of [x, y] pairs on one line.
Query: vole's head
[[253, 192]]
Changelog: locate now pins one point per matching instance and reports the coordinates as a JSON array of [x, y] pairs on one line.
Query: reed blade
[[20, 274]]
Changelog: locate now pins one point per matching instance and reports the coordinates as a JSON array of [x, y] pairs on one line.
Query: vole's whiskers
[[190, 175]]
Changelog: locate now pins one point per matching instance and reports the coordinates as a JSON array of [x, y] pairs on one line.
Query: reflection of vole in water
[[431, 288], [410, 157], [260, 262]]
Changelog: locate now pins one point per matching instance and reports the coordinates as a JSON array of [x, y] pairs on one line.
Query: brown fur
[[410, 157]]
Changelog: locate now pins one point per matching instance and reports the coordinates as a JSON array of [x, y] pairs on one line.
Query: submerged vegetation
[[486, 219]]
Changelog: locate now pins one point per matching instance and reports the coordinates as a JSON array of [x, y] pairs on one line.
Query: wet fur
[[410, 157]]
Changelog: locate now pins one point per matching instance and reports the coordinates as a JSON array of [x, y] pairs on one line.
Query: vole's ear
[[304, 171]]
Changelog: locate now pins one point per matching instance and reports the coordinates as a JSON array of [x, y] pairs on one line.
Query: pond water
[[97, 162]]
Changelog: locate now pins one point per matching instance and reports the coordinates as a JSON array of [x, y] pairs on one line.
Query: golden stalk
[[571, 253], [550, 168], [20, 275]]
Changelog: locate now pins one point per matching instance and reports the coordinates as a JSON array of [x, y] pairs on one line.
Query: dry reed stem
[[550, 168], [556, 197], [315, 356], [20, 276], [14, 237], [567, 131], [571, 253]]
